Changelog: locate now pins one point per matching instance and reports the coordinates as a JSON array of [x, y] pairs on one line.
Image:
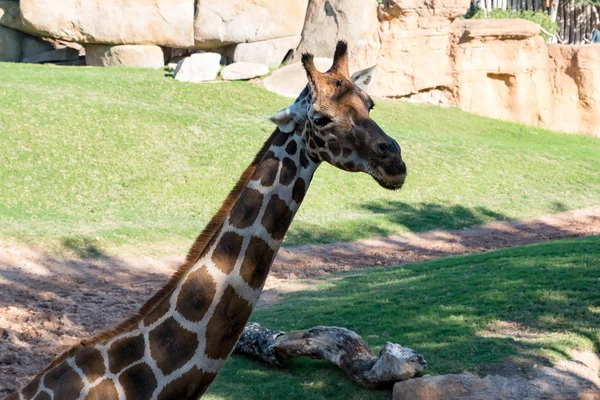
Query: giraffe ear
[[284, 120], [364, 78]]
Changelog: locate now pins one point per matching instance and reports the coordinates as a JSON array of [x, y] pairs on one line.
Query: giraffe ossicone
[[175, 346]]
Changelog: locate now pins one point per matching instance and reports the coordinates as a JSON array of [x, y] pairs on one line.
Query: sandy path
[[47, 302]]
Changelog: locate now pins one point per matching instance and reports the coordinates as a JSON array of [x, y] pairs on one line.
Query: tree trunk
[[339, 346]]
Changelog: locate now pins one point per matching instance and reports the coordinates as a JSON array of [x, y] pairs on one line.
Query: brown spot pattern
[[325, 156], [171, 345], [64, 382], [334, 148], [226, 325], [319, 141], [288, 171], [303, 158], [280, 139], [43, 396], [190, 385], [159, 311], [138, 382], [104, 390], [346, 152], [30, 390], [246, 209], [227, 251], [291, 148], [196, 295], [267, 170], [90, 361], [124, 352], [299, 190], [277, 217], [257, 262]]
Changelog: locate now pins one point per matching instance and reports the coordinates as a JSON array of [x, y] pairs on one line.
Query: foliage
[[128, 157], [539, 17], [530, 305]]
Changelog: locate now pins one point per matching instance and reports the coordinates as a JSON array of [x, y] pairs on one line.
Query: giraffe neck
[[177, 349]]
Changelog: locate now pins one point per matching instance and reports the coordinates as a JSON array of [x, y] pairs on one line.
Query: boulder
[[198, 68], [53, 56], [269, 52], [502, 75], [10, 44], [290, 80], [138, 56], [159, 22], [575, 87], [243, 70], [328, 21], [10, 15], [416, 44], [219, 23]]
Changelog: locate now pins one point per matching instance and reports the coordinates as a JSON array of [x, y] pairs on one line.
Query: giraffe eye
[[322, 121]]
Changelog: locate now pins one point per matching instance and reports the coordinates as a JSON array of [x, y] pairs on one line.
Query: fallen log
[[340, 346]]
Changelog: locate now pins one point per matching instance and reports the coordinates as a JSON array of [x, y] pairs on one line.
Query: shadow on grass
[[388, 217], [528, 304]]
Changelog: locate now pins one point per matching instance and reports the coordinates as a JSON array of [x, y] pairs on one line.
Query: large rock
[[198, 68], [290, 80], [10, 15], [416, 43], [138, 56], [501, 70], [568, 380], [269, 52], [32, 46], [575, 88], [10, 44], [159, 22], [243, 70], [219, 23], [328, 21]]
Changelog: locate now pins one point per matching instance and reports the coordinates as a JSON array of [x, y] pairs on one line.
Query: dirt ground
[[47, 303]]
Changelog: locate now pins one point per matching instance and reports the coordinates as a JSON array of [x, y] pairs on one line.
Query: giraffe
[[176, 344]]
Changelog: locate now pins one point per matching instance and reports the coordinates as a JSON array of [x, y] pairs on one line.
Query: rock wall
[[497, 68]]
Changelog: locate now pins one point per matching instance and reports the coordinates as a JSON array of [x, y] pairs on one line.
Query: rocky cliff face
[[497, 68]]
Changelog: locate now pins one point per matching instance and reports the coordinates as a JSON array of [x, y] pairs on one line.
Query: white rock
[[198, 67], [223, 22], [102, 55], [290, 80], [269, 52], [243, 70]]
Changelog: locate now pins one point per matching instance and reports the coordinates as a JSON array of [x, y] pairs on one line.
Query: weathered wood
[[340, 346]]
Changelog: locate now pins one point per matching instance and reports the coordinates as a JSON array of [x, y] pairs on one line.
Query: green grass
[[125, 156], [530, 304]]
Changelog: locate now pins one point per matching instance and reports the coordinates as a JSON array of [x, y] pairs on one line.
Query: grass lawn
[[531, 304], [125, 156]]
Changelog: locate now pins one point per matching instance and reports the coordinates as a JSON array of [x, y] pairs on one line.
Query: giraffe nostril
[[382, 149]]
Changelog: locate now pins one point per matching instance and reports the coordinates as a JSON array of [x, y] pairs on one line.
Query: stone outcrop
[[198, 68], [243, 70], [328, 21], [501, 70], [574, 88], [416, 43], [139, 56], [269, 52], [219, 23], [158, 22]]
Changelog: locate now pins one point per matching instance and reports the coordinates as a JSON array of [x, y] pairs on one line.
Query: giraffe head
[[334, 110]]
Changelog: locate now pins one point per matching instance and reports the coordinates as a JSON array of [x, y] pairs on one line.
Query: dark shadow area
[[48, 302], [468, 236]]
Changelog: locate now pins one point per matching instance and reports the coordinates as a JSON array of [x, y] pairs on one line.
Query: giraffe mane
[[193, 255]]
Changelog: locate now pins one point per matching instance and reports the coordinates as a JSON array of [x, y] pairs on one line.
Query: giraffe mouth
[[386, 180]]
